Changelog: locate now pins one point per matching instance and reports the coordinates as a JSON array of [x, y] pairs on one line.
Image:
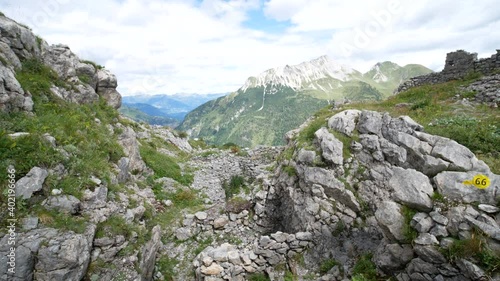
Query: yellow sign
[[479, 181]]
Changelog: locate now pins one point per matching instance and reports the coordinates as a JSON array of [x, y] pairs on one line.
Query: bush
[[166, 266], [409, 233], [476, 248], [182, 134], [234, 186], [258, 277], [290, 170], [95, 65], [327, 265]]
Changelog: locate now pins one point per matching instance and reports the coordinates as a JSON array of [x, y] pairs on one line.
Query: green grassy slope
[[237, 118]]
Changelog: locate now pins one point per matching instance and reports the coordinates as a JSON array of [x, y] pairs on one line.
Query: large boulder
[[148, 255], [106, 88], [411, 188], [68, 204], [20, 39], [370, 122], [460, 157], [345, 121], [390, 218], [62, 60], [31, 183], [12, 96], [48, 254], [393, 257], [128, 140], [331, 147], [457, 186], [9, 56]]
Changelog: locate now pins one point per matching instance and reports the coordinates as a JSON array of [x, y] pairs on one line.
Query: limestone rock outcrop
[[84, 82]]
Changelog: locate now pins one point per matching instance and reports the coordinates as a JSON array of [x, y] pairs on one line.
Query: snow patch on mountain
[[304, 73]]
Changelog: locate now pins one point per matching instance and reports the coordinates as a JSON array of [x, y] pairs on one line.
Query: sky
[[213, 46]]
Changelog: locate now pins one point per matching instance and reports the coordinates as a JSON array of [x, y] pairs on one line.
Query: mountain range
[[261, 111]]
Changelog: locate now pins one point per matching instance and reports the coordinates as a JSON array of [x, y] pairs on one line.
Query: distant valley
[[165, 110]]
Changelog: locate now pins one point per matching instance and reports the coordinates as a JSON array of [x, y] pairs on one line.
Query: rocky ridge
[[84, 81], [459, 65]]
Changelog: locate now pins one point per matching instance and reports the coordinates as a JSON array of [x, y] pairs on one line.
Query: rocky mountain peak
[[297, 76]]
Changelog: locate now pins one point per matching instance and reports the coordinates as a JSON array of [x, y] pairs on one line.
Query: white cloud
[[172, 46]]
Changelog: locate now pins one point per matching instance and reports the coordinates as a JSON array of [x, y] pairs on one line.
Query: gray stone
[[429, 254], [333, 188], [488, 208], [18, 135], [393, 154], [471, 270], [31, 183], [439, 231], [123, 166], [331, 147], [65, 257], [56, 192], [234, 257], [264, 241], [64, 203], [393, 257], [30, 223], [460, 157], [455, 186], [304, 236], [491, 229], [106, 88], [391, 220], [220, 254], [127, 139], [220, 222], [417, 265], [345, 121], [306, 156], [370, 122], [183, 233], [134, 214], [422, 222], [437, 217], [201, 215], [411, 188], [280, 237], [12, 96], [148, 254], [213, 269], [426, 239], [207, 261]]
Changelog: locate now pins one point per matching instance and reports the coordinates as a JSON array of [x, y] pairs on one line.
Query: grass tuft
[[164, 165], [234, 186], [409, 233], [365, 269]]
